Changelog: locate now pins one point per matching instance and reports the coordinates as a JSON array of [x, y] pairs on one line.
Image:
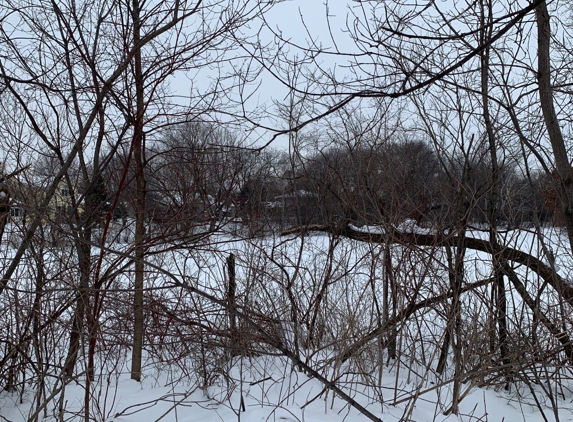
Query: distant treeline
[[200, 174]]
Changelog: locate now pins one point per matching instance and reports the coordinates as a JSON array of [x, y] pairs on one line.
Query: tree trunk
[[82, 298], [500, 305], [389, 284], [138, 146], [564, 186], [231, 300]]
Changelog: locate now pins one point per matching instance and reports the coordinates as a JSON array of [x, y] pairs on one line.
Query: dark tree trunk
[[138, 147]]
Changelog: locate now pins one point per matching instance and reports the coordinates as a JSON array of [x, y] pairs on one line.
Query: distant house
[[62, 203], [26, 200], [17, 211]]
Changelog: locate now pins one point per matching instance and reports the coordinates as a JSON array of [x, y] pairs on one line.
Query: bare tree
[[82, 82]]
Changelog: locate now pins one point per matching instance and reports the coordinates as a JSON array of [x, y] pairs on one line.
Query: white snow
[[178, 386]]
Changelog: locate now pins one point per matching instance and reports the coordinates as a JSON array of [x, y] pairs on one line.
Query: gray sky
[[300, 22]]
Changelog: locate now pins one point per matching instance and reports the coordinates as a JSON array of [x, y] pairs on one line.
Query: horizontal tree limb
[[504, 253]]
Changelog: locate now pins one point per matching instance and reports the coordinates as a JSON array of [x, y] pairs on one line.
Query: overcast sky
[[290, 18], [303, 22]]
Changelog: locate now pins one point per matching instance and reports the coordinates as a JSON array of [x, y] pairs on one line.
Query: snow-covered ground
[[270, 390], [318, 296]]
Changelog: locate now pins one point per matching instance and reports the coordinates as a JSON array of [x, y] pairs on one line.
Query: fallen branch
[[507, 254], [392, 235]]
